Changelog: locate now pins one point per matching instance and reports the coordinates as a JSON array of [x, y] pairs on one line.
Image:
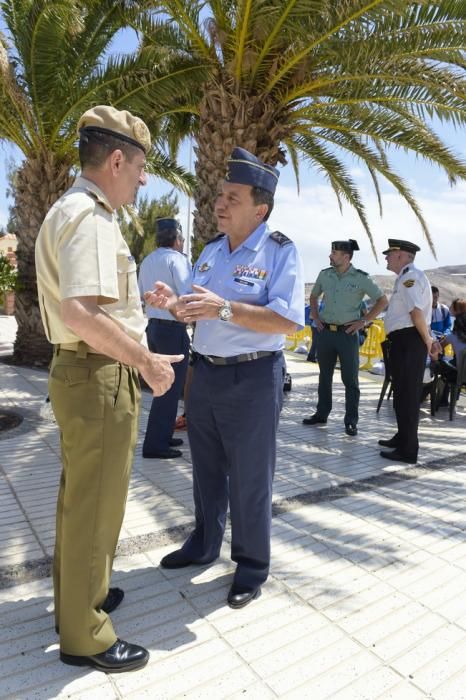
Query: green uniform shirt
[[343, 294]]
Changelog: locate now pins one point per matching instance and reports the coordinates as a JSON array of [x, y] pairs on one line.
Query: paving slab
[[366, 597]]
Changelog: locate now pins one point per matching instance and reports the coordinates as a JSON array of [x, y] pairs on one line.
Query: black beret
[[346, 246]]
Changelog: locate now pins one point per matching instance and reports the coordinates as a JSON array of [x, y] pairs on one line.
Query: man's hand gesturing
[[158, 373]]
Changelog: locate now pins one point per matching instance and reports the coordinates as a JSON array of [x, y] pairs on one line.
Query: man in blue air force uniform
[[248, 293], [167, 264]]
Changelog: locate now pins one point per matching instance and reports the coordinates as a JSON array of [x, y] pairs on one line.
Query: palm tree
[[318, 80], [139, 231], [56, 62]]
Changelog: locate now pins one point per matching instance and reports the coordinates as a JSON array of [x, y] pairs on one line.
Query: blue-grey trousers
[[232, 418]]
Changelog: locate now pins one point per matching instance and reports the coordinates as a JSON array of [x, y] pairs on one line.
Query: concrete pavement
[[367, 594]]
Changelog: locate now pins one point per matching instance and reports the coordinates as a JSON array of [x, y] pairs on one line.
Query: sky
[[312, 218]]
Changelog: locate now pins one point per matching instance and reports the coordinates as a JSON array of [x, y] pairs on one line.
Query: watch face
[[225, 313]]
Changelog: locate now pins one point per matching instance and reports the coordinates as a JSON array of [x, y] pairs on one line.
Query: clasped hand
[[201, 305]]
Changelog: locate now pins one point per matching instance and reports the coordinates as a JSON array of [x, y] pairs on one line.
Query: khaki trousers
[[95, 401]]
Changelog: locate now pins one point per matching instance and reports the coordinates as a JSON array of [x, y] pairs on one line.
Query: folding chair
[[387, 382], [454, 383]]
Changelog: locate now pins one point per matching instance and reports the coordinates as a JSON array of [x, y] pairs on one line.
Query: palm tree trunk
[[40, 181], [229, 119]]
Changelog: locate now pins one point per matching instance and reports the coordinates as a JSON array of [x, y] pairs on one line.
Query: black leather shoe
[[179, 559], [113, 599], [175, 442], [111, 602], [238, 598], [122, 656], [351, 429], [393, 442], [313, 420], [396, 456], [162, 454]]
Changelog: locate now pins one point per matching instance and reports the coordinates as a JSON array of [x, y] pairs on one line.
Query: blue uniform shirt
[[169, 266], [261, 272]]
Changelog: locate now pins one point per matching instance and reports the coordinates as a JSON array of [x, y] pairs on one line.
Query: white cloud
[[313, 220]]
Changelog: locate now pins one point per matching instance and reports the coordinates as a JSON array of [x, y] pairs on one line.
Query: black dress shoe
[[313, 420], [175, 442], [393, 442], [162, 454], [396, 456], [122, 656], [111, 602], [351, 429], [238, 598], [179, 559]]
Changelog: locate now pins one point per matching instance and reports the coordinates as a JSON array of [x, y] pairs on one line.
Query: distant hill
[[451, 281]]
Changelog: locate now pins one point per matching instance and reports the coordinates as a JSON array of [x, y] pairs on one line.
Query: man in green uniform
[[91, 311], [343, 288]]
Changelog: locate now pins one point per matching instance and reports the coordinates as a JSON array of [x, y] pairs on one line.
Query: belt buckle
[[332, 327]]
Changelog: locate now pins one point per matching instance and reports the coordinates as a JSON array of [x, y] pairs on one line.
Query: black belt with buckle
[[235, 359], [335, 327]]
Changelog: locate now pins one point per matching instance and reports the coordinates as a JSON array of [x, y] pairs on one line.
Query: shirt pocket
[[127, 278], [246, 287], [202, 278]]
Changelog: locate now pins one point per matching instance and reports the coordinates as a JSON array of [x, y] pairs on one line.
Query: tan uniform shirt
[[80, 252]]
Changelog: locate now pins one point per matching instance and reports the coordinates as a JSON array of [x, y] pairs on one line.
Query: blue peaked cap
[[243, 168], [167, 225]]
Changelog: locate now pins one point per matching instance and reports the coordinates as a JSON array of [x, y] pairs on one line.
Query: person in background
[[166, 335], [441, 320], [457, 339], [248, 294], [312, 354], [407, 323], [337, 328]]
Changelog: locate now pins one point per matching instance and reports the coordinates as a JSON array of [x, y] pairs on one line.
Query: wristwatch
[[225, 312]]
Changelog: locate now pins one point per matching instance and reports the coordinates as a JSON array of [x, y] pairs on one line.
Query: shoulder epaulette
[[363, 272], [280, 238], [217, 238], [99, 199]]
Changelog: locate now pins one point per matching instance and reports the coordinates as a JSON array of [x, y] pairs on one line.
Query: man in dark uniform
[[407, 326], [343, 288], [248, 294], [166, 335]]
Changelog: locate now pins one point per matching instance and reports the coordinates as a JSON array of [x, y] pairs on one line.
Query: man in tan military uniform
[[91, 312]]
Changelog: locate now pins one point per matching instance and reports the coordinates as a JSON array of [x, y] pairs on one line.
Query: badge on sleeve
[[409, 283]]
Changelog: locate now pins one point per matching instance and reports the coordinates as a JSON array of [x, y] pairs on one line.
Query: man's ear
[[116, 159], [262, 210]]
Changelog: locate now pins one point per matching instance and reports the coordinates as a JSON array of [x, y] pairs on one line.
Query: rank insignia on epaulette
[[280, 238], [409, 283]]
